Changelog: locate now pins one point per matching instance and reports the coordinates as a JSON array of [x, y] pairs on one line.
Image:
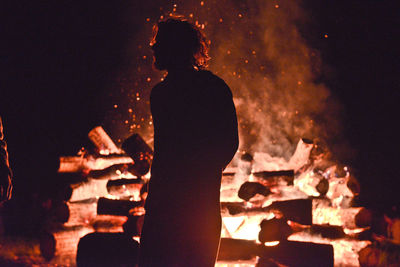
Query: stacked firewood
[[299, 206], [107, 189], [285, 212]]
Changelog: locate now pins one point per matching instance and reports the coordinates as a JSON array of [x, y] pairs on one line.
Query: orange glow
[[271, 244]]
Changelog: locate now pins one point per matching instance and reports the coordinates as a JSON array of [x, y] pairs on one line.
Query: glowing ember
[[271, 244]]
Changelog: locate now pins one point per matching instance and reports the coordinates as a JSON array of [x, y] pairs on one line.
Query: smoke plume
[[258, 49]]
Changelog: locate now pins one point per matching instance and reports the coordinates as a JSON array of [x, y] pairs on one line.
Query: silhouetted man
[[5, 170], [195, 137]]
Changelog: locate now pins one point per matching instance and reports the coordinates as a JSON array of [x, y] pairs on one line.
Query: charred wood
[[298, 210], [109, 172], [326, 231], [274, 230], [107, 249], [322, 187], [124, 186], [281, 229], [140, 152], [354, 217], [238, 249], [60, 241], [250, 189], [116, 207], [274, 178], [108, 223], [299, 254]]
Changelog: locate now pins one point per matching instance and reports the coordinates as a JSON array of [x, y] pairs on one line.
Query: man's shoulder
[[219, 86], [206, 74]]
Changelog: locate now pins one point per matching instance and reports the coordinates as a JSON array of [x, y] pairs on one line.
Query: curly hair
[[177, 41]]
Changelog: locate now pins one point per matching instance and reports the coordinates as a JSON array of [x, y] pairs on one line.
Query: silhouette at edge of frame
[[195, 137], [5, 170]]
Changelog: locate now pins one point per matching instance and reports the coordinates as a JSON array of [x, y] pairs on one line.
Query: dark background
[[363, 52], [58, 60]]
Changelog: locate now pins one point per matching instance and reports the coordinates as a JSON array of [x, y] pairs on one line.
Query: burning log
[[61, 242], [250, 189], [107, 249], [290, 253], [238, 249], [299, 254], [116, 207], [274, 178], [280, 229], [108, 173], [89, 189], [298, 210], [312, 183], [125, 187], [140, 152], [102, 140], [77, 164], [108, 223], [82, 212], [355, 217]]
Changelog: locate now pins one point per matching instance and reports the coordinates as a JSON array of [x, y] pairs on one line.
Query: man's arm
[[5, 170]]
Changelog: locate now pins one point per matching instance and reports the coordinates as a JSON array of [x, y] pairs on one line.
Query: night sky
[[59, 60]]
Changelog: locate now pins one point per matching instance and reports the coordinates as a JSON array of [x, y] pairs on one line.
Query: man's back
[[195, 136]]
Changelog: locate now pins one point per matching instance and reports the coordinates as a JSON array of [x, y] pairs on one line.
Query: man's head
[[179, 44]]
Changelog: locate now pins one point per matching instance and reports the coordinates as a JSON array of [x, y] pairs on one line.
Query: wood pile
[[275, 212], [103, 208]]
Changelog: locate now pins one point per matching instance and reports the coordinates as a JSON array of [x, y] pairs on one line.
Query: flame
[[307, 182], [243, 227]]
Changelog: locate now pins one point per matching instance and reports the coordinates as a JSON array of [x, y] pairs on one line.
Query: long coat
[[195, 137]]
